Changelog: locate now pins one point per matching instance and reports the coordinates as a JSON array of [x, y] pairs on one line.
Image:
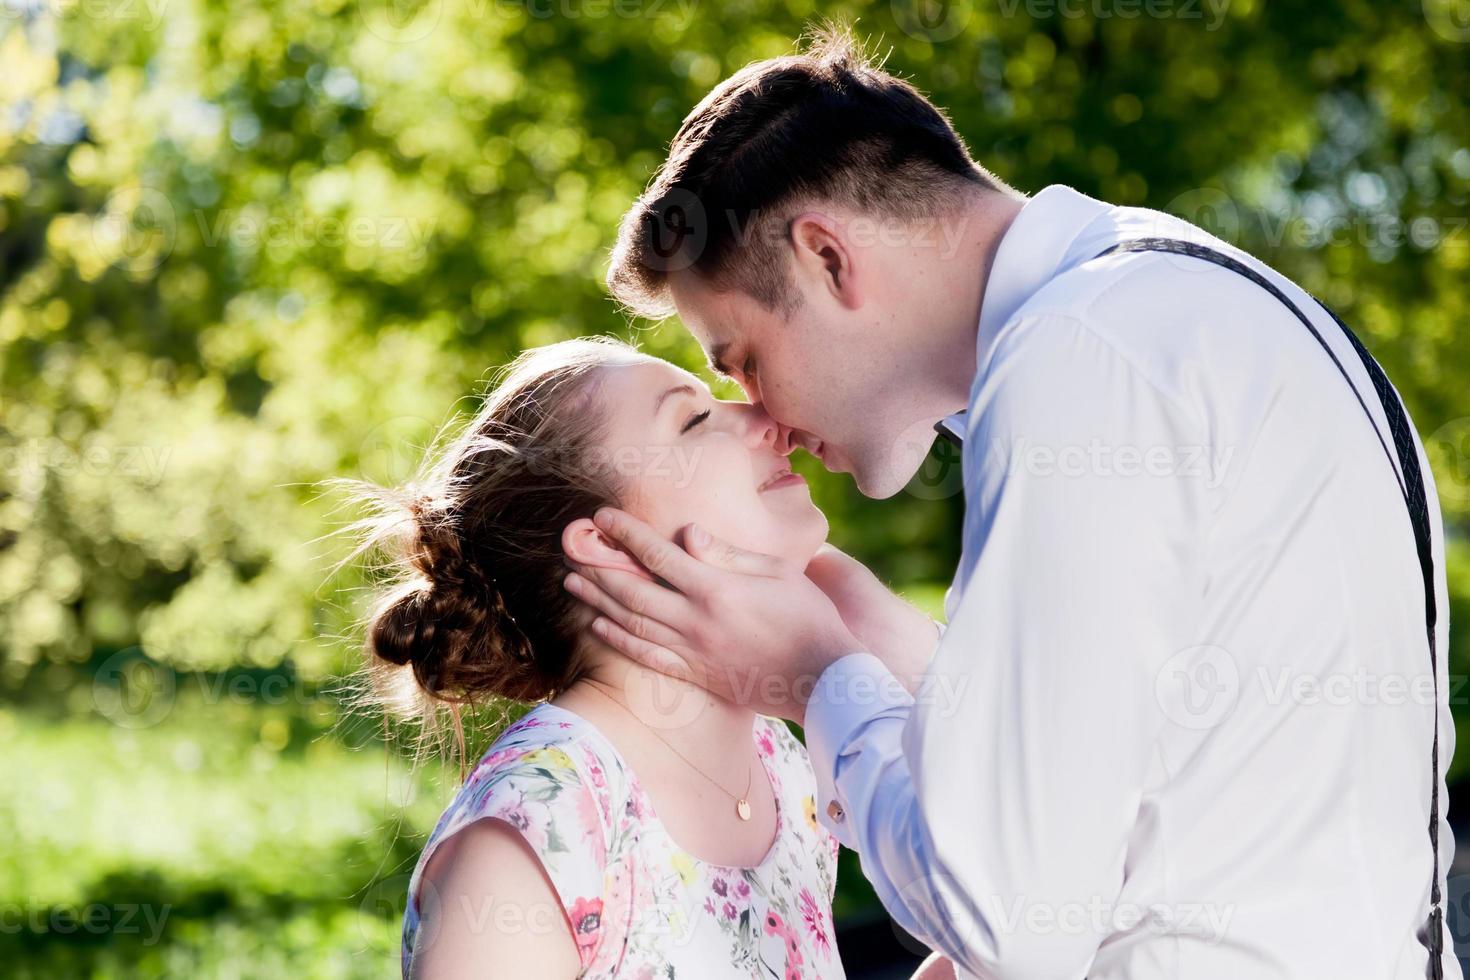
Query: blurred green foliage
[[245, 247]]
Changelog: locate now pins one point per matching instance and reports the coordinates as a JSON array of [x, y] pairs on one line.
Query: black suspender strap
[[1411, 485]]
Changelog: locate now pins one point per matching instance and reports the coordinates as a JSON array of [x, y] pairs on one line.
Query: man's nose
[[766, 431], [786, 439]]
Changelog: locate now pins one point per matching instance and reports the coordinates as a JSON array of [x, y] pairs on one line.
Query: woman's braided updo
[[478, 609]]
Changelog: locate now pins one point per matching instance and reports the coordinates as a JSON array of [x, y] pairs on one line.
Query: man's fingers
[[640, 596], [663, 558], [630, 616], [721, 554], [651, 655]]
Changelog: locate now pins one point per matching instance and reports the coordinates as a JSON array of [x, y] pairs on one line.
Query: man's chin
[[877, 480], [879, 483], [881, 468]]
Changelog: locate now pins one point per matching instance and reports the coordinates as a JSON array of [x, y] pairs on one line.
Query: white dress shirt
[[1179, 723]]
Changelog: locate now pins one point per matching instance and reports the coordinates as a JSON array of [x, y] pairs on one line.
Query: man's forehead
[[695, 301]]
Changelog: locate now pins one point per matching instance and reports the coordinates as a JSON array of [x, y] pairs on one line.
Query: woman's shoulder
[[486, 862], [550, 781]]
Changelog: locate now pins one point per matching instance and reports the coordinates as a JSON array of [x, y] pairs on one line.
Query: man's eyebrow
[[717, 359], [686, 389]]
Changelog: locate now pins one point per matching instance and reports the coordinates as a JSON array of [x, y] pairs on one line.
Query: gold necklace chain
[[742, 803]]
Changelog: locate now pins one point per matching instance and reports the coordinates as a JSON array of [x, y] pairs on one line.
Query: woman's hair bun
[[446, 619]]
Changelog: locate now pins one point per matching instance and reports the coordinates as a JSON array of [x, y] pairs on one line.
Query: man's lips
[[830, 465]]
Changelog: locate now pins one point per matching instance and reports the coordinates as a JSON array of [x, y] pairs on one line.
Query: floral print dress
[[640, 907]]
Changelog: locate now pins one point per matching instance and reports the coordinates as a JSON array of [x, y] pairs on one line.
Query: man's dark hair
[[824, 126]]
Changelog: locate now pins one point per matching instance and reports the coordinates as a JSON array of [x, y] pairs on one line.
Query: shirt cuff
[[851, 692]]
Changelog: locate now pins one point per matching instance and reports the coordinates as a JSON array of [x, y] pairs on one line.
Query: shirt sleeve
[[992, 811]]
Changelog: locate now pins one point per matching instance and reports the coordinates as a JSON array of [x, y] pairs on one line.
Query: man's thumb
[[721, 554]]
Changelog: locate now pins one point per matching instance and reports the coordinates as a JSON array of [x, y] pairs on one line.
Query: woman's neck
[[676, 710], [665, 730]]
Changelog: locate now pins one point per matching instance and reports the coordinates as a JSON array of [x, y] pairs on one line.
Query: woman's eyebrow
[[686, 389]]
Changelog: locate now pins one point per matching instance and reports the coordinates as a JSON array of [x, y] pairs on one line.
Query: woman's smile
[[781, 479]]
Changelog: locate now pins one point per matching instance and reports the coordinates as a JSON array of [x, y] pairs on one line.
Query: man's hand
[[885, 624], [936, 967], [747, 627]]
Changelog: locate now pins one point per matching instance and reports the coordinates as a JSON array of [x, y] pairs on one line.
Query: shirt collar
[[1046, 238], [1040, 244]]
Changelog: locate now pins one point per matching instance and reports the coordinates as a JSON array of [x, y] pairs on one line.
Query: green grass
[[225, 841]]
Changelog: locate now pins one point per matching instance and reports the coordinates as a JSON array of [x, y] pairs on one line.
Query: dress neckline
[[651, 814]]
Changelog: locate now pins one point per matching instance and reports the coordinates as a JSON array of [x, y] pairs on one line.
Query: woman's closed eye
[[694, 420]]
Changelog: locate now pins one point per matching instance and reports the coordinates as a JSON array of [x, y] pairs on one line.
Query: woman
[[629, 825]]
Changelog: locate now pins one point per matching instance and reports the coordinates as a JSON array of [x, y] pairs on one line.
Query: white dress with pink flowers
[[639, 905]]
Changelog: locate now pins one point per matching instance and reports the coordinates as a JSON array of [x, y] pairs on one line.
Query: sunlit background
[[246, 246]]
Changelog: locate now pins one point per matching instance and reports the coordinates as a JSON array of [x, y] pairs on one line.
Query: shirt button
[[835, 812]]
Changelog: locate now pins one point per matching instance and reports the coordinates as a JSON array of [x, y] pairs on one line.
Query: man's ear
[[823, 255], [585, 544]]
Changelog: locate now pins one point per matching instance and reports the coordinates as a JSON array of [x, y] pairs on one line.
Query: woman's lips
[[785, 478]]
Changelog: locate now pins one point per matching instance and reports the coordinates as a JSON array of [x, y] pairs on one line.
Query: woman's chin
[[802, 535], [792, 533]]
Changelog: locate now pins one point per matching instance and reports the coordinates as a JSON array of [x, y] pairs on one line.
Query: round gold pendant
[[742, 809]]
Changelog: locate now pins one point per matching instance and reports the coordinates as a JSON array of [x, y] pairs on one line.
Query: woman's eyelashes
[[694, 420]]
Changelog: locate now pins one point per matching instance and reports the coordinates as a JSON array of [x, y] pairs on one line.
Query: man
[[1180, 721]]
